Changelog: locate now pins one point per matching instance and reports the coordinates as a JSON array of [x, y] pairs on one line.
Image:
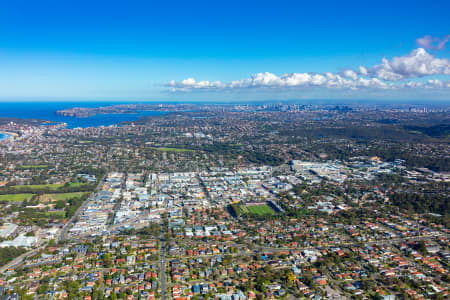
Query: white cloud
[[318, 79], [418, 63], [373, 83], [363, 71], [435, 83], [433, 43], [350, 74], [192, 84], [413, 84], [296, 79]]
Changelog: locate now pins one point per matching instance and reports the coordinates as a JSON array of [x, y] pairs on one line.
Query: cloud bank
[[390, 74]]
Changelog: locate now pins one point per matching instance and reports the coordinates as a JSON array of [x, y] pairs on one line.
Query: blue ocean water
[[2, 136], [47, 111]]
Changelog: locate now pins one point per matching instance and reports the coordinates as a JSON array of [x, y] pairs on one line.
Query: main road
[[163, 262], [63, 233], [18, 260]]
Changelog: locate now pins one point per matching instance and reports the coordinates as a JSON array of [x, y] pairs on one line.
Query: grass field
[[173, 149], [62, 196], [33, 167], [16, 197], [260, 210], [55, 214], [53, 187]]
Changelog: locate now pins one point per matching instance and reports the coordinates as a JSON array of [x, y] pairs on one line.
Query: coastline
[[38, 113], [7, 135]]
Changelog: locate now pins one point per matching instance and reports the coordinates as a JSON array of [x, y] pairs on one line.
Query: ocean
[[47, 111]]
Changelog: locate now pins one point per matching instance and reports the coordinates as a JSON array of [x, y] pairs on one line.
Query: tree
[[60, 204], [291, 277]]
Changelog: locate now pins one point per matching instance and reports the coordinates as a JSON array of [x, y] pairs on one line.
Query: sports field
[[260, 210]]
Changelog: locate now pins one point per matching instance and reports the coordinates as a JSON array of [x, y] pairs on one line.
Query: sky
[[224, 50]]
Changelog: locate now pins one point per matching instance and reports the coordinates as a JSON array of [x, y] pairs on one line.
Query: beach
[[4, 135]]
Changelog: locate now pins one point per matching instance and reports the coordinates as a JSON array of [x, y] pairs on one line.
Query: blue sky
[[145, 50]]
